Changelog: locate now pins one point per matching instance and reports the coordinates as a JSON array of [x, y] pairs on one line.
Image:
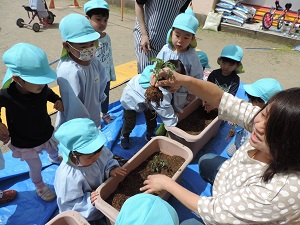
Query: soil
[[154, 94], [196, 122], [156, 163]]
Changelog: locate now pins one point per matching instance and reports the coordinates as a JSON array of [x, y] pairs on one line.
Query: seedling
[[158, 164], [154, 94]]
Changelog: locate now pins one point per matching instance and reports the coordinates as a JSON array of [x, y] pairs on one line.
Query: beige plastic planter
[[68, 218], [194, 142], [157, 144]]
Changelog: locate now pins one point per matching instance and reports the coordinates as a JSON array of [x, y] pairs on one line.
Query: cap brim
[[250, 90], [85, 38]]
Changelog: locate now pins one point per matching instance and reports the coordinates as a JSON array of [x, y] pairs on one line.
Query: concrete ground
[[280, 64]]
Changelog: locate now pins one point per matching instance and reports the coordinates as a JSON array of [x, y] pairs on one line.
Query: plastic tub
[[194, 142], [157, 144]]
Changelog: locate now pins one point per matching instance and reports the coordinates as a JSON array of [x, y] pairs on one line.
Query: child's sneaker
[[7, 195], [161, 131], [107, 118], [125, 144], [149, 136], [231, 149], [46, 194], [57, 160]]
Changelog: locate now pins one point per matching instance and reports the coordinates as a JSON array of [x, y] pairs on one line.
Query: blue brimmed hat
[[76, 28], [151, 210], [29, 63], [144, 80], [185, 21], [264, 88], [233, 52], [203, 59], [80, 135], [95, 4]]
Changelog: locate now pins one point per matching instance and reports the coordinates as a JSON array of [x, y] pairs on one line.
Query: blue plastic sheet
[[27, 208]]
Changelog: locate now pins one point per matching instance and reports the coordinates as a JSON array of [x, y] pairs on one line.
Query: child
[[226, 77], [181, 43], [97, 11], [29, 125], [39, 6], [133, 101], [81, 77], [152, 210], [86, 164], [259, 93], [205, 65]]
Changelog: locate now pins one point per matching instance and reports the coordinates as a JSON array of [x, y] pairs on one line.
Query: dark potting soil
[[196, 122], [156, 163]]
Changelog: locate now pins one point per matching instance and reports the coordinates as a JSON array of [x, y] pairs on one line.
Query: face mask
[[86, 54]]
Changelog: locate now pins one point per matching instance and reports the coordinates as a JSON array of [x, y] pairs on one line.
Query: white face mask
[[86, 54]]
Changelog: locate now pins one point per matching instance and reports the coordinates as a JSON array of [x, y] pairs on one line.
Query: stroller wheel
[[20, 22], [50, 18], [36, 27]]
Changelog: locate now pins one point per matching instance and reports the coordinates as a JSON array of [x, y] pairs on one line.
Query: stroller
[[34, 13]]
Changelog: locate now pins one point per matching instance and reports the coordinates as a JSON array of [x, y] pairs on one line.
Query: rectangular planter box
[[157, 144], [68, 218], [194, 142]]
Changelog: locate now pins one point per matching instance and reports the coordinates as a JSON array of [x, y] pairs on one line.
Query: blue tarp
[[29, 209]]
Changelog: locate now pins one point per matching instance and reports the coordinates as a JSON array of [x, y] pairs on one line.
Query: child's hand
[[4, 134], [118, 171], [94, 196], [58, 105]]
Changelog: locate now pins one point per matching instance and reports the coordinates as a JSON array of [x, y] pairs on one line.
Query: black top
[[27, 118], [228, 83]]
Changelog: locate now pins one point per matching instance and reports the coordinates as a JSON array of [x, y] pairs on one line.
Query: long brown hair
[[282, 133]]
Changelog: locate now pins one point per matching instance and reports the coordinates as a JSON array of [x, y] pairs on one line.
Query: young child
[[205, 64], [25, 100], [181, 43], [133, 101], [81, 77], [97, 11], [226, 77], [259, 93], [152, 210], [86, 164], [39, 6]]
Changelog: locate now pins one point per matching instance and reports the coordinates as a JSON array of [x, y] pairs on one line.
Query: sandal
[[107, 118], [7, 196], [46, 194]]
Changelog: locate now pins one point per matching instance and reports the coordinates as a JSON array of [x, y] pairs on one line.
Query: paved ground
[[282, 65]]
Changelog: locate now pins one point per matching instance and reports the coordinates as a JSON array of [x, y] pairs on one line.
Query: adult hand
[[145, 44], [155, 183], [172, 81]]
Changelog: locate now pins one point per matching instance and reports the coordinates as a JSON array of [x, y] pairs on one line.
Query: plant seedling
[[154, 94], [158, 164]]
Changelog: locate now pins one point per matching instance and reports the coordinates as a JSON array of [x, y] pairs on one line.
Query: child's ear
[[16, 78], [65, 45]]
